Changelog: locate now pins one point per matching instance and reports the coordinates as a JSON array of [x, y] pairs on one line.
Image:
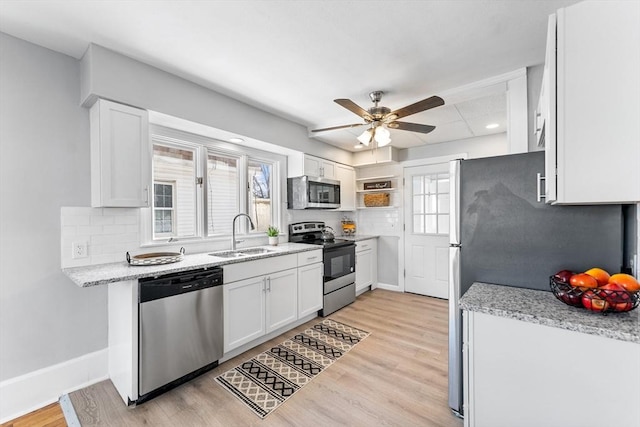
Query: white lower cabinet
[[285, 289], [523, 374], [281, 299], [365, 263], [256, 306], [244, 311], [309, 289]]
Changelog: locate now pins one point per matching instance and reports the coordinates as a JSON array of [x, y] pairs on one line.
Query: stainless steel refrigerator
[[500, 233]]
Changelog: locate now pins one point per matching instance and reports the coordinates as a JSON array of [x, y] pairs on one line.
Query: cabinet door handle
[[539, 194], [264, 284], [269, 282], [146, 195], [311, 258]]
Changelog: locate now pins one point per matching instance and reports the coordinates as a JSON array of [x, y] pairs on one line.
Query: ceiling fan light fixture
[[365, 137], [382, 136]]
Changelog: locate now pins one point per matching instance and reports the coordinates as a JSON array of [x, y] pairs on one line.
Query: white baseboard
[[389, 287], [26, 393]]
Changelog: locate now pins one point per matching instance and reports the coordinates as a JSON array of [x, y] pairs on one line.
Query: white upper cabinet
[[304, 164], [347, 177], [120, 156], [593, 154]]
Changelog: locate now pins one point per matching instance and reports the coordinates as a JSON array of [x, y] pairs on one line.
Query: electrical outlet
[[79, 250]]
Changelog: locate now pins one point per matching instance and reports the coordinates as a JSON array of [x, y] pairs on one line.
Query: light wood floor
[[395, 377], [49, 416]]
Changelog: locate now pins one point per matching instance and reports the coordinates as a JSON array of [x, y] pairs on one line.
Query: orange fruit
[[601, 276], [627, 281], [583, 280]]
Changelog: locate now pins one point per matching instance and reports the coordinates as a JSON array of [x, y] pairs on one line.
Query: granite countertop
[[544, 308], [358, 237], [104, 274]]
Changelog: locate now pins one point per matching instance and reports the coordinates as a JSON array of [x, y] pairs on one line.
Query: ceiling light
[[492, 126], [382, 136], [365, 137], [358, 146], [236, 139]]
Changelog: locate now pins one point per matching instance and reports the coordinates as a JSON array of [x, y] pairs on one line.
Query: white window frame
[[173, 209], [203, 146], [437, 213]]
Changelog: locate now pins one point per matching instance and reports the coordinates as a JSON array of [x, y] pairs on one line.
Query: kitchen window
[[200, 184], [431, 203], [163, 208]]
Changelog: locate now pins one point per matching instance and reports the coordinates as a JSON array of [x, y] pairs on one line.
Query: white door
[[426, 234]]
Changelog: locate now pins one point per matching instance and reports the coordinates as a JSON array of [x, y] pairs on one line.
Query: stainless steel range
[[339, 256]]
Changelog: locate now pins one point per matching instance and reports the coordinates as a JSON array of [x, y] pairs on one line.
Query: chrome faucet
[[233, 229]]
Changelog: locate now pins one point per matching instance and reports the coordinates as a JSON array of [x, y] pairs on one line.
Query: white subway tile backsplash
[[76, 220], [102, 220], [109, 232]]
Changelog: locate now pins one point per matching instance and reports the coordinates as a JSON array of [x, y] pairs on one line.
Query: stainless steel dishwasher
[[180, 329]]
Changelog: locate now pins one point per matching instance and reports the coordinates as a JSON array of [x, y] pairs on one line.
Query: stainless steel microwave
[[306, 192]]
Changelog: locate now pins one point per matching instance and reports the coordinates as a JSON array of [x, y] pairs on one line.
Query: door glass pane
[[431, 224], [431, 183], [174, 173], [443, 224], [443, 184], [443, 203], [418, 224], [259, 207], [431, 204], [418, 204], [222, 193], [418, 185]]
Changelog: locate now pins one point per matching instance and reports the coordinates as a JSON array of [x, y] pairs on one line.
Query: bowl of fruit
[[596, 290]]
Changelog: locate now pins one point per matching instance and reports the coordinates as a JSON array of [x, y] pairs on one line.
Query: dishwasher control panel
[[178, 283]]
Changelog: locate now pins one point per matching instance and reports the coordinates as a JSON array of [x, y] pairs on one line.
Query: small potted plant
[[273, 233]]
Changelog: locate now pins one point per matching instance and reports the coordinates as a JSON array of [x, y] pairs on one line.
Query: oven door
[[339, 263]]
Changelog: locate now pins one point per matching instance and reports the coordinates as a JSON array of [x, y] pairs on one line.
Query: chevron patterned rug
[[267, 380]]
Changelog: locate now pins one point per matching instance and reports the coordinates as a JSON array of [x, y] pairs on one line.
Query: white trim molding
[[34, 390]]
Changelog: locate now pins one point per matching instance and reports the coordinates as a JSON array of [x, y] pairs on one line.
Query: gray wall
[[44, 164], [110, 75]]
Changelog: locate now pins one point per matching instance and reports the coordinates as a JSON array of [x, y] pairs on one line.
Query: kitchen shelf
[[377, 190], [374, 178], [377, 207]]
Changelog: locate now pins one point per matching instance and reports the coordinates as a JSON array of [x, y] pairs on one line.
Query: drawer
[[258, 267], [363, 245], [309, 257]]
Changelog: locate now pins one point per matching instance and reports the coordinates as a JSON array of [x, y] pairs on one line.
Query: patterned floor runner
[[267, 380]]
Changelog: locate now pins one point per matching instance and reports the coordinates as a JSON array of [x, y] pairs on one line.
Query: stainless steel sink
[[255, 251], [228, 254], [239, 253]]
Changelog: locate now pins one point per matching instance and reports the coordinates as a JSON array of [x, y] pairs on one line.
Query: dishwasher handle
[[178, 283]]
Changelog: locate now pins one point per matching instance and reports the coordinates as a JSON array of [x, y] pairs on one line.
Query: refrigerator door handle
[[454, 201], [455, 332]]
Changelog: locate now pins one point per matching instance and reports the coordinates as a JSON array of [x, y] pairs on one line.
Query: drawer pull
[[311, 258]]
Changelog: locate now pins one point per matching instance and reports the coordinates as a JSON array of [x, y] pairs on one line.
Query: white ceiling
[[292, 58]]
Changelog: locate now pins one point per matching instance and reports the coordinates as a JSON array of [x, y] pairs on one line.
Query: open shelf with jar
[[378, 192]]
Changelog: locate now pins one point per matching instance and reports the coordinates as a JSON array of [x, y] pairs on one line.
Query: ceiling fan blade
[[354, 108], [413, 127], [425, 104], [340, 127]]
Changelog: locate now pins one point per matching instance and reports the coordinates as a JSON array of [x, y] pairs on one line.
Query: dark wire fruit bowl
[[594, 299]]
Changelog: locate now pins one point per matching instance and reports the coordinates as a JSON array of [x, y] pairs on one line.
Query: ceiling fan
[[381, 118]]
